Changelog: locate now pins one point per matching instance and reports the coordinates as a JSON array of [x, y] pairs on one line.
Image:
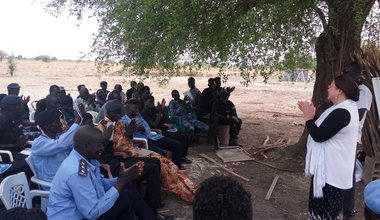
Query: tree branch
[[322, 17], [369, 6]]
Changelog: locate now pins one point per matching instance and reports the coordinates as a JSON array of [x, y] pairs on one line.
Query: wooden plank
[[270, 191], [223, 167]]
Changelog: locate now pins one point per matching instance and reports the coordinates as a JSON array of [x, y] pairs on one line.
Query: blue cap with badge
[[13, 86]]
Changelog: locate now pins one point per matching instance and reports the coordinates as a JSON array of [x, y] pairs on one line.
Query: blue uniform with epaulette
[[79, 191]]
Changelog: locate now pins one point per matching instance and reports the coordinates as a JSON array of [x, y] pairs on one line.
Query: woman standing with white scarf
[[331, 148]]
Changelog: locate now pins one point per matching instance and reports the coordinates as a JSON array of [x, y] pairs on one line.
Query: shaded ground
[[261, 106]]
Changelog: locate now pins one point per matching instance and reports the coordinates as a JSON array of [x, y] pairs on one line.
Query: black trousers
[[349, 198], [151, 174], [180, 136], [127, 205], [167, 144]]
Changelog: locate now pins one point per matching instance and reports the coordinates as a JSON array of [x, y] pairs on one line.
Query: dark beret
[[133, 102], [114, 105], [47, 117], [10, 100]]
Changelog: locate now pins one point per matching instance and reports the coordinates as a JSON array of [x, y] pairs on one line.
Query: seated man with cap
[[372, 200], [152, 166], [132, 112], [11, 134], [121, 134], [103, 112], [80, 192], [14, 89], [51, 148]]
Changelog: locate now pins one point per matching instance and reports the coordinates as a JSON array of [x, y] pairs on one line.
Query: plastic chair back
[[14, 192], [29, 161]]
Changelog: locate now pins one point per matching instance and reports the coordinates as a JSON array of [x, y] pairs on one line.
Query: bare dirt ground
[[260, 106]]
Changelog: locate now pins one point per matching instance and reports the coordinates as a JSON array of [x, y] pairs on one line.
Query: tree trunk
[[336, 46]]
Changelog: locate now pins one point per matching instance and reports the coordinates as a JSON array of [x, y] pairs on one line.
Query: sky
[[27, 29]]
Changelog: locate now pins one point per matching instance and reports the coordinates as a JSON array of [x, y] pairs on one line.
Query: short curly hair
[[222, 198]]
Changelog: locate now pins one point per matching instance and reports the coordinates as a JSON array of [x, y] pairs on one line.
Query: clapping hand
[[128, 175], [136, 126], [131, 173], [307, 109]]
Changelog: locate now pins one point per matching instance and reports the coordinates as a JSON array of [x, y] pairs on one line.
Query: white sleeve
[[365, 98]]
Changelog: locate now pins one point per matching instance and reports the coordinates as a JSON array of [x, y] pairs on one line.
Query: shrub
[[11, 64]]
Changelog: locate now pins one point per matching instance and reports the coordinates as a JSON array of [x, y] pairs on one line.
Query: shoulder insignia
[[82, 169]]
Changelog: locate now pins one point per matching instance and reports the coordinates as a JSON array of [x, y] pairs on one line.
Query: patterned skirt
[[329, 207]]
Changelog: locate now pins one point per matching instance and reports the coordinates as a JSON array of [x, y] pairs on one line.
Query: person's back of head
[[19, 213], [222, 198], [54, 89], [80, 86], [191, 82], [133, 84], [372, 200], [52, 101], [114, 94]]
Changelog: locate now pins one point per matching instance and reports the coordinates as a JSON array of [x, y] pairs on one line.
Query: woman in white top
[[331, 148]]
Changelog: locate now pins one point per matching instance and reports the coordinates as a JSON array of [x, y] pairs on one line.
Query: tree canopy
[[252, 35]]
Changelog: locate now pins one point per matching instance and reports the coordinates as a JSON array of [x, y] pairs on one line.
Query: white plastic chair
[[8, 153], [15, 192], [34, 178], [142, 140], [40, 183]]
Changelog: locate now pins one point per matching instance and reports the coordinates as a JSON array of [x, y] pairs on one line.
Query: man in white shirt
[[353, 70]]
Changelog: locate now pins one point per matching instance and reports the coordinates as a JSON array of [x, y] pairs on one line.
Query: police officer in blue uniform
[[80, 192]]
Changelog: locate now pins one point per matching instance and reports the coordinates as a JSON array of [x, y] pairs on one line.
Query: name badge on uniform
[[82, 169]]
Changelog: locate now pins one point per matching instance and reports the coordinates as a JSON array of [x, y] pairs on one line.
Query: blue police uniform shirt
[[126, 120], [48, 154], [77, 196]]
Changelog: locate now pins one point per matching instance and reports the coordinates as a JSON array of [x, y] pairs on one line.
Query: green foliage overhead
[[165, 35]]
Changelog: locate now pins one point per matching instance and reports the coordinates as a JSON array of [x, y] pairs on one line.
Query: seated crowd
[[126, 137]]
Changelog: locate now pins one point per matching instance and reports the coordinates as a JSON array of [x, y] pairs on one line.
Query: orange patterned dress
[[171, 177]]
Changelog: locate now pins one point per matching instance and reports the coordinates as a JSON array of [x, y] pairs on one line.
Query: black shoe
[[164, 217], [234, 143], [185, 160], [182, 168]]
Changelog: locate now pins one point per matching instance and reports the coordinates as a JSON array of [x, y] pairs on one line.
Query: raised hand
[[307, 109], [25, 100], [128, 175]]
